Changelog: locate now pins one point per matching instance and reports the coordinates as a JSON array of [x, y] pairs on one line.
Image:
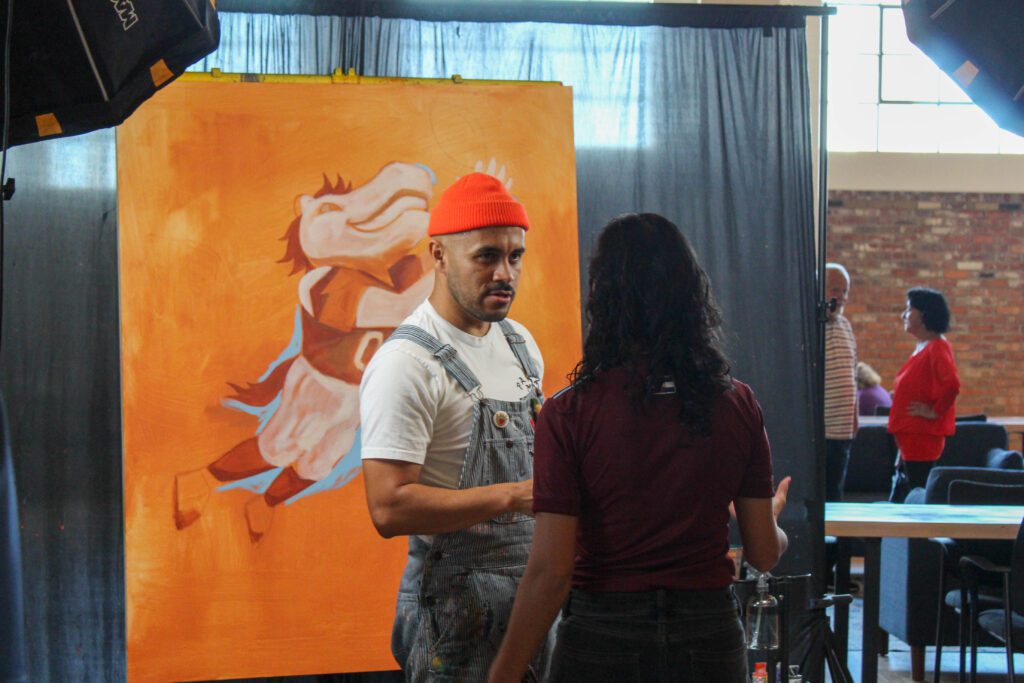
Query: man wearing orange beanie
[[447, 408]]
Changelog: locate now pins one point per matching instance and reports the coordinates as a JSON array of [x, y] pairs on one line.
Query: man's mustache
[[501, 288]]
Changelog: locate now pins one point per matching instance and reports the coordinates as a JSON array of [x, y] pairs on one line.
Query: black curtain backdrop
[[60, 380], [708, 126], [13, 661]]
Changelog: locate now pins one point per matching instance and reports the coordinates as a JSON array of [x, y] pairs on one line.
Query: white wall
[[926, 172]]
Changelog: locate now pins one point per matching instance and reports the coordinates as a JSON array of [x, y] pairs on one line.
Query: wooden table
[[874, 521], [1014, 425]]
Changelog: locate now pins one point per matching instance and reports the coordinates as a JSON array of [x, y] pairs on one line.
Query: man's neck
[[451, 312]]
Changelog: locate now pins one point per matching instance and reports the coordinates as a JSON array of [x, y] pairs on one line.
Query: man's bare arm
[[400, 505]]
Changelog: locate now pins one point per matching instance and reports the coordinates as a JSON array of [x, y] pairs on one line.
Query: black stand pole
[[822, 307]]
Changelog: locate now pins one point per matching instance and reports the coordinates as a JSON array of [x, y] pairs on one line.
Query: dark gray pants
[[837, 459], [656, 636]]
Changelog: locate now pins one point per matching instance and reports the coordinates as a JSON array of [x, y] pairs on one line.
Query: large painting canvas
[[271, 237]]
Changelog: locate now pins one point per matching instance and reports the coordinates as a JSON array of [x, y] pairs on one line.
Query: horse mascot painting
[[364, 263]]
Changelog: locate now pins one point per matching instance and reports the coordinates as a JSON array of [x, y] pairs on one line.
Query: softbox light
[[79, 65], [980, 45]]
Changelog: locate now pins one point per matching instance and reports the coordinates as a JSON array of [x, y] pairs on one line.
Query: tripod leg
[[841, 621], [938, 618], [836, 667], [962, 627], [1008, 613], [972, 601]]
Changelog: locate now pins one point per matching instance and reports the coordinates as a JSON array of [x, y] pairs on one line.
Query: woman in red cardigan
[[924, 392]]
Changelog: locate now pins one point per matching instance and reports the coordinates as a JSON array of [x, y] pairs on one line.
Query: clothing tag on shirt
[[668, 387]]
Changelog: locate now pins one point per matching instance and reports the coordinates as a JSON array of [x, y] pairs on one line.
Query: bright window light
[[885, 95], [967, 129], [908, 128], [853, 79], [853, 127]]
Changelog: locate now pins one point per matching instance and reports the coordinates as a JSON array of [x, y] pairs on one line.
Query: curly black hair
[[934, 309], [651, 311]]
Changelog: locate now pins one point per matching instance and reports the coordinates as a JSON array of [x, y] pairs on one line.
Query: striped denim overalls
[[456, 594]]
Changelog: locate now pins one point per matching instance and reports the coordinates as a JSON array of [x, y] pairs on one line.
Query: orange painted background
[[208, 175]]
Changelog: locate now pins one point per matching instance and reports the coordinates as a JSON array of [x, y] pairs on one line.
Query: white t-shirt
[[412, 410]]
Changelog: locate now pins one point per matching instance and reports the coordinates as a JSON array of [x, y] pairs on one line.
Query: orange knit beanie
[[476, 201]]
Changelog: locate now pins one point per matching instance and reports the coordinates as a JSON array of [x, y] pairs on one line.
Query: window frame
[[880, 100]]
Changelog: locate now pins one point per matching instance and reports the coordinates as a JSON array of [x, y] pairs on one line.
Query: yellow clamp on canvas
[[47, 124], [160, 73]]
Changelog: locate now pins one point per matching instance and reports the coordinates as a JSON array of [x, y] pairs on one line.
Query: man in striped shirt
[[840, 383]]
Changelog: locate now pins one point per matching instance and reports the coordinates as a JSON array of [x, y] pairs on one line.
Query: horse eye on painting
[[327, 206]]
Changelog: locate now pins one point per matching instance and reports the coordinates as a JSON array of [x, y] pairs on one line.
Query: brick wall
[[970, 247]]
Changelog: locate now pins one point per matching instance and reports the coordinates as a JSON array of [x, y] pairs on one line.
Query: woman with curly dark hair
[[636, 465]]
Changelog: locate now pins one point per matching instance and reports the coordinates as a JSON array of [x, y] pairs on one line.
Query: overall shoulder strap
[[445, 353], [517, 343]]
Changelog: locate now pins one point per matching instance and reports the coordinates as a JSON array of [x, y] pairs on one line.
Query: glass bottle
[[762, 617]]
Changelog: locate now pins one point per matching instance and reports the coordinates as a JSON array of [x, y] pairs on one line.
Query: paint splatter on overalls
[[456, 594]]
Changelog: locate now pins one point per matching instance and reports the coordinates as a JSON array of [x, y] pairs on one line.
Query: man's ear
[[436, 249]]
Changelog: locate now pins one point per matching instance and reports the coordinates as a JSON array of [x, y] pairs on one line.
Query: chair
[[882, 411], [971, 444], [910, 592], [869, 474], [970, 599], [975, 417], [873, 452], [936, 491], [1007, 623]]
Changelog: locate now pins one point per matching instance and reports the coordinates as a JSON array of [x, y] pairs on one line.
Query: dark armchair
[[969, 595], [973, 445], [1007, 623], [910, 592], [869, 475], [873, 454]]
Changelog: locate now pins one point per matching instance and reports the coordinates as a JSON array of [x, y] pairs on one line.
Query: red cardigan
[[929, 377]]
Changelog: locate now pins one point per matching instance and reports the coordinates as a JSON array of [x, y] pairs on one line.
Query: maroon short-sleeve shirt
[[651, 498]]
